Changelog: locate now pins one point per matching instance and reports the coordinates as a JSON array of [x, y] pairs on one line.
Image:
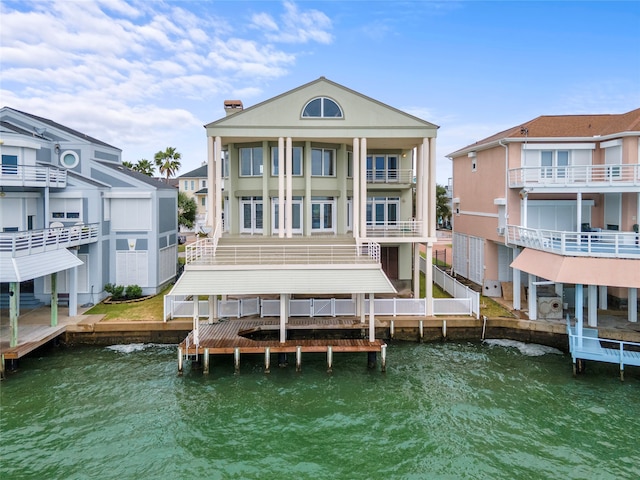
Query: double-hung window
[[251, 162], [323, 162], [296, 162]]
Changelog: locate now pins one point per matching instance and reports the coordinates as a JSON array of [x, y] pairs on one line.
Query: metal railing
[[587, 244], [405, 228], [32, 176], [575, 175], [36, 241], [390, 176]]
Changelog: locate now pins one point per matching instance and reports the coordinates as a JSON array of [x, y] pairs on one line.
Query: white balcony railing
[[390, 176], [32, 176], [36, 241], [587, 244], [408, 228], [575, 175]]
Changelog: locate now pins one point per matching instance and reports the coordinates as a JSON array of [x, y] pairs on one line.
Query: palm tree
[[144, 166], [129, 165], [168, 162]]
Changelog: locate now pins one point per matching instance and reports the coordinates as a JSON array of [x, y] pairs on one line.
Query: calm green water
[[450, 410]]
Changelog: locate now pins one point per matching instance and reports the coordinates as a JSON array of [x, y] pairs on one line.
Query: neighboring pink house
[[551, 206]]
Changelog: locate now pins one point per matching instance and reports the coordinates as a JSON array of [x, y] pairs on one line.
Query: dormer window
[[322, 107]]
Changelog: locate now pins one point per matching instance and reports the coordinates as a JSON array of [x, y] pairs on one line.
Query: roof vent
[[232, 106]]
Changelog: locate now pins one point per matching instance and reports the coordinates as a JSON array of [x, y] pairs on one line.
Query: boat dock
[[234, 337]]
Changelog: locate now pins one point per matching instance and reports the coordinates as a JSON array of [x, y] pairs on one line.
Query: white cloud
[[297, 26]]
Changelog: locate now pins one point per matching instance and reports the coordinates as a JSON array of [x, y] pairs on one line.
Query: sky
[[144, 75]]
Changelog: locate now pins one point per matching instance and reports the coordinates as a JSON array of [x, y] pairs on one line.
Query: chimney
[[232, 106]]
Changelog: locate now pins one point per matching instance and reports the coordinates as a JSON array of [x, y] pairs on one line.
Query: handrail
[[572, 175], [586, 244], [34, 241], [393, 175], [33, 175], [401, 228]]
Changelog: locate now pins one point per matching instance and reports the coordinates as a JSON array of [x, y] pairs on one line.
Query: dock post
[[392, 329], [236, 359], [421, 330], [329, 359], [484, 326], [180, 360], [372, 360], [298, 358], [267, 359], [205, 360], [383, 358], [621, 362], [2, 367], [444, 329]]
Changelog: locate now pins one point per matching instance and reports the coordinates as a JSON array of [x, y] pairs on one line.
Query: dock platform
[[230, 337]]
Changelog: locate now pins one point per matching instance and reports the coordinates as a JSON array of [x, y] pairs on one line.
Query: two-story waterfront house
[[194, 185], [326, 192], [72, 219], [551, 206]]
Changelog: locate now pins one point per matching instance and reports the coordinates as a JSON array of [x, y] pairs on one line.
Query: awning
[[19, 269], [614, 272], [289, 281]]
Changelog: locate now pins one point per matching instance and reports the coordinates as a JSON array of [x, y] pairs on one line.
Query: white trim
[[73, 154], [18, 142], [479, 214], [611, 143], [127, 195], [559, 146]]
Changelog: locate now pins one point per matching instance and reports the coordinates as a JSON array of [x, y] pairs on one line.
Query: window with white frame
[[296, 215], [382, 168], [251, 210], [322, 107], [383, 211], [186, 184], [251, 162], [323, 162], [131, 214], [65, 209], [296, 161], [349, 214], [554, 163], [323, 214]]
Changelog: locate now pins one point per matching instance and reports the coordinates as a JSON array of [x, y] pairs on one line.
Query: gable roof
[[201, 171], [565, 126], [236, 118], [64, 128]]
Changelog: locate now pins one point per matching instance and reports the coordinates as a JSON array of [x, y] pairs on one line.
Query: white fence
[[465, 301]]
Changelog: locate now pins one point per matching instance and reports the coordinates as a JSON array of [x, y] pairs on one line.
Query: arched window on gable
[[322, 107]]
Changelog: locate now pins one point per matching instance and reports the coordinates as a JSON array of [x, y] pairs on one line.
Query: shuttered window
[[132, 268]]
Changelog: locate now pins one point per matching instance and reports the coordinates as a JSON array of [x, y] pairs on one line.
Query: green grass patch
[[145, 310], [182, 248]]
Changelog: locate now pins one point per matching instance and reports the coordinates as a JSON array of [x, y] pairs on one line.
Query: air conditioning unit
[[550, 308], [500, 231]]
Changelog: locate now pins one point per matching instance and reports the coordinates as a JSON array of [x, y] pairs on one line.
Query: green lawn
[[145, 310]]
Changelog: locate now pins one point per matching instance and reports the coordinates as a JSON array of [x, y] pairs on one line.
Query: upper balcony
[[29, 242], [396, 230], [32, 176], [390, 176], [576, 176], [606, 244]]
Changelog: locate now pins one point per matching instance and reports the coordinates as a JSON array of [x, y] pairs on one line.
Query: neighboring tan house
[[73, 218], [194, 185], [557, 198], [327, 177]]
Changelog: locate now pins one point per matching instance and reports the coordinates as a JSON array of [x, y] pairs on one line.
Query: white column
[[213, 308], [14, 301], [73, 291], [211, 184], [47, 215], [604, 301], [372, 321], [632, 305], [289, 182], [592, 306], [524, 212], [362, 309], [517, 286], [579, 213], [422, 148], [281, 202], [579, 309], [363, 187], [416, 270], [431, 197], [196, 321], [355, 201], [218, 183], [533, 298], [428, 279]]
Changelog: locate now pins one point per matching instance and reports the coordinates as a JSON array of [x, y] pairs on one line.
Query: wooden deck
[[225, 338], [30, 337]]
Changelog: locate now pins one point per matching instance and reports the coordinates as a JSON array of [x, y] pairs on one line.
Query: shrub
[[134, 291]]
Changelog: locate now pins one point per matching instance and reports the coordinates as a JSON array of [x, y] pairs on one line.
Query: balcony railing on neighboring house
[[586, 244], [390, 176], [409, 228], [575, 175], [36, 241], [32, 176]]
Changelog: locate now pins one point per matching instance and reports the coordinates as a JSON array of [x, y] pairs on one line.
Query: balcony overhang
[[19, 269], [613, 272]]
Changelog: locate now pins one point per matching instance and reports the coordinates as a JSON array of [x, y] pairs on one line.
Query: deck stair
[[585, 344]]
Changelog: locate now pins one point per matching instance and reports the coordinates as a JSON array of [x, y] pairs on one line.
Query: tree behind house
[[168, 161], [144, 166], [186, 210]]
